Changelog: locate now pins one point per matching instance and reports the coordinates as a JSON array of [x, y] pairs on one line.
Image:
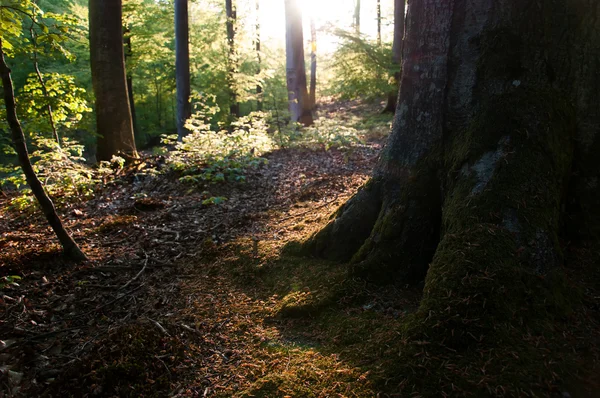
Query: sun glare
[[326, 13]]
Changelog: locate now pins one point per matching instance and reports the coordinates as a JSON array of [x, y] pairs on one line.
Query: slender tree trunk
[[182, 67], [231, 13], [298, 99], [43, 85], [357, 16], [128, 54], [69, 246], [499, 104], [259, 89], [313, 65], [113, 112], [379, 23], [397, 46]]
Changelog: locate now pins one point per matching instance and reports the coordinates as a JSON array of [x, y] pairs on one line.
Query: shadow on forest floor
[[185, 299]]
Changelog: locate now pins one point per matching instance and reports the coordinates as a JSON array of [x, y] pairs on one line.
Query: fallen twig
[[160, 327], [309, 211], [137, 275], [107, 304]]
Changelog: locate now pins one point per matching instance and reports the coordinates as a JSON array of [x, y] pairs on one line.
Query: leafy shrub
[[207, 156], [62, 171], [361, 68]]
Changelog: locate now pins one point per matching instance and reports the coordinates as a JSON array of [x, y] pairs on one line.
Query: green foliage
[[329, 133], [65, 175], [67, 100], [9, 280], [208, 156], [361, 68]]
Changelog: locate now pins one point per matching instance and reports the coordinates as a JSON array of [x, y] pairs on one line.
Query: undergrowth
[[205, 157]]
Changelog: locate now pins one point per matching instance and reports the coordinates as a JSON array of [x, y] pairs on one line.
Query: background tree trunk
[[128, 54], [357, 16], [69, 246], [313, 65], [113, 114], [397, 46], [499, 102], [231, 13], [378, 23], [298, 100], [182, 67], [259, 90]]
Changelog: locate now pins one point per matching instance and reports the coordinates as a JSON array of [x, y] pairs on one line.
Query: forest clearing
[[260, 198]]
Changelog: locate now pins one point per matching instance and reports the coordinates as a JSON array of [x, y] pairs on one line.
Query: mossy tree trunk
[[113, 112], [495, 135]]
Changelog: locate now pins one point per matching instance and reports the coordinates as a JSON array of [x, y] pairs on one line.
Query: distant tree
[[128, 55], [298, 100], [113, 112], [231, 13], [182, 66], [398, 44], [313, 64], [378, 22], [33, 36], [259, 88], [357, 16], [69, 246]]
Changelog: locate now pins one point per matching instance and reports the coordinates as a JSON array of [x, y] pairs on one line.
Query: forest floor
[[181, 298]]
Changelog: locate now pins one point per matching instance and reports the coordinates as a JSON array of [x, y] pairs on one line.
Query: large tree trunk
[[113, 113], [496, 130], [231, 13], [397, 46], [299, 103], [69, 246], [182, 67]]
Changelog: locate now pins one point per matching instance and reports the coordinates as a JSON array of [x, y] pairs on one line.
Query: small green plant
[[330, 133], [214, 200], [9, 280], [207, 156]]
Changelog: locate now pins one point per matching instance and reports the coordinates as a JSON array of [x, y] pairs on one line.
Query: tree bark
[[259, 89], [231, 13], [128, 54], [357, 16], [113, 112], [499, 104], [378, 23], [298, 100], [43, 85], [397, 46], [313, 65], [182, 67], [69, 246]]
